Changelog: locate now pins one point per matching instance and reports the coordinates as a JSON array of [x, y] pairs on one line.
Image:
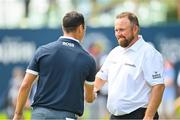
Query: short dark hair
[[132, 17], [72, 20]]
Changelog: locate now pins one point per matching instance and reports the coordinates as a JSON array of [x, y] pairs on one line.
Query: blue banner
[[17, 46]]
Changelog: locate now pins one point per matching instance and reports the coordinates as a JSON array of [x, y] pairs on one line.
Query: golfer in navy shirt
[[64, 69]]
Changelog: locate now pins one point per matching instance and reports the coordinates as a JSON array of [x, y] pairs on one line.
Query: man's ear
[[135, 29], [81, 27], [78, 29]]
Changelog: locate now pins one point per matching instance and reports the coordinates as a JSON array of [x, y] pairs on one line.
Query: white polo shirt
[[131, 72]]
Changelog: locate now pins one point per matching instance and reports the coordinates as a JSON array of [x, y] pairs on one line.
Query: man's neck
[[133, 41], [72, 36]]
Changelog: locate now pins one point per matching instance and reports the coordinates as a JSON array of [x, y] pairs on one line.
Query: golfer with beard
[[134, 72]]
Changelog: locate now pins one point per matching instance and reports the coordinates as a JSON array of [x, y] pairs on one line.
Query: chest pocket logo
[[130, 69], [131, 65]]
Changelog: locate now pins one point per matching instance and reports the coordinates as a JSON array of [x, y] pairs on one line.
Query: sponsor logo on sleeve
[[156, 75]]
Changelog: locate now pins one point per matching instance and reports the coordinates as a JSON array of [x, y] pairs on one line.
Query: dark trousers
[[137, 114]]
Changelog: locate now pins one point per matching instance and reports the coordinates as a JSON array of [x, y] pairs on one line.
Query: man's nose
[[119, 33]]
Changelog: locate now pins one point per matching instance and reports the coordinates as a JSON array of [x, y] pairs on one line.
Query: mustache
[[121, 37]]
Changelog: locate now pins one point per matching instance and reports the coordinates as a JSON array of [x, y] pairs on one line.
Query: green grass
[[3, 116], [27, 115]]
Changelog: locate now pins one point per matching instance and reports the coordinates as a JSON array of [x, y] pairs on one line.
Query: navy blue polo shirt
[[63, 66]]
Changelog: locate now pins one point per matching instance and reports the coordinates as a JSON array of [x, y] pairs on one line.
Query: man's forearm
[[22, 98], [155, 100], [89, 93], [23, 95]]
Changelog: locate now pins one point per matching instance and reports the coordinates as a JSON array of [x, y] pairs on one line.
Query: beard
[[124, 42]]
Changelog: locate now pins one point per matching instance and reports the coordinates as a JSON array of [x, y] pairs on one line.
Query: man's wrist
[[18, 113], [148, 116], [95, 90]]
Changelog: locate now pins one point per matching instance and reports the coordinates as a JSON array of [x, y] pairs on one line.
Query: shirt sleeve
[[91, 77], [33, 66], [103, 72], [153, 68]]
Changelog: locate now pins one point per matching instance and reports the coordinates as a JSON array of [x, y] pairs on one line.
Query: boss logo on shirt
[[68, 44], [156, 75], [132, 65]]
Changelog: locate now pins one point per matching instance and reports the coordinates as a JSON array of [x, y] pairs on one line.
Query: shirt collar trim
[[71, 38], [137, 44]]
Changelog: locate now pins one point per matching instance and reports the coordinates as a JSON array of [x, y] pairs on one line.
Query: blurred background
[[99, 13], [27, 24]]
